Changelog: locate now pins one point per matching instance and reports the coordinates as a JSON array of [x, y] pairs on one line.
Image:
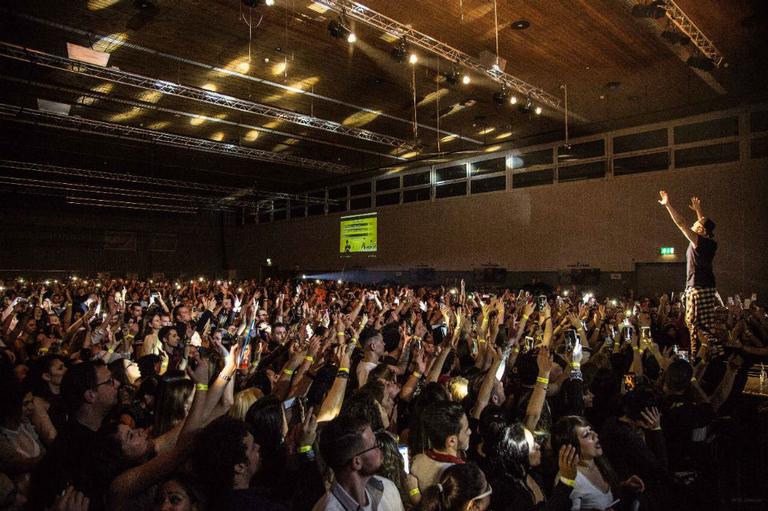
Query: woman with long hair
[[512, 457], [179, 494], [460, 488], [174, 398], [595, 484], [393, 468]]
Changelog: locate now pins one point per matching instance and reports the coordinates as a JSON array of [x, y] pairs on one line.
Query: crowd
[[310, 395]]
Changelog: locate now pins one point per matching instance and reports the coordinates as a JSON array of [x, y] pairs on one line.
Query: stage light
[[565, 292], [703, 63], [675, 37], [452, 77], [465, 79], [413, 58], [513, 100], [399, 52], [337, 30], [270, 3], [351, 38], [303, 276], [654, 10], [538, 110], [339, 281], [500, 96]]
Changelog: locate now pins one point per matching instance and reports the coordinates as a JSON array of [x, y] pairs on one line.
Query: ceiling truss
[[12, 51], [388, 25], [21, 114]]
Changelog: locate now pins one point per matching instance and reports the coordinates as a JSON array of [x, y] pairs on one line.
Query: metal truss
[[150, 106], [687, 27], [390, 26], [125, 132], [228, 72], [130, 178], [12, 51]]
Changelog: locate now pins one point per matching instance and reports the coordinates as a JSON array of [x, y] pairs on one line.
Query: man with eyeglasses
[[90, 393], [349, 447]]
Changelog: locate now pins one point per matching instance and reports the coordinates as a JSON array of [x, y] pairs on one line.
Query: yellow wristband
[[542, 380], [481, 341], [575, 365], [568, 482], [340, 334], [111, 350], [43, 350], [287, 371], [525, 317], [129, 337], [343, 370], [305, 448], [309, 358], [201, 386], [416, 338], [413, 492], [416, 374]]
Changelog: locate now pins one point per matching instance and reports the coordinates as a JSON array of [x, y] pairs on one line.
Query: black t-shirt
[[699, 262]]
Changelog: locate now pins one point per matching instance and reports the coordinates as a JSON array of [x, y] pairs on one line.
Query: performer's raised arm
[[678, 218]]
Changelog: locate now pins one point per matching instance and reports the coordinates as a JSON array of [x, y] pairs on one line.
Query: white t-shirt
[[586, 495]]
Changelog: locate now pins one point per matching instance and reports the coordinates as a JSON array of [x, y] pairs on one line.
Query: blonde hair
[[243, 401]]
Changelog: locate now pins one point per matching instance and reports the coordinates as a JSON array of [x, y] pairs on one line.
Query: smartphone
[[287, 404], [528, 343], [683, 354], [570, 340], [541, 302], [629, 381], [645, 332], [628, 331], [730, 300], [406, 461]]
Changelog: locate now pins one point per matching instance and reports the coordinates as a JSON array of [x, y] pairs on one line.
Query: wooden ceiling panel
[[617, 68]]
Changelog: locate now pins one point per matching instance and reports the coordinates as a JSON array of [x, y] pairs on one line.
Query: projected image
[[358, 234]]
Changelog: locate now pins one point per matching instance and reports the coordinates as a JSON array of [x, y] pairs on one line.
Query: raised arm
[[678, 218]]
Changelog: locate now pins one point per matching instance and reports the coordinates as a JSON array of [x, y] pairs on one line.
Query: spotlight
[[269, 261], [675, 37], [270, 3], [465, 79], [654, 10], [513, 100], [538, 110], [303, 276], [400, 51], [256, 3], [413, 58], [339, 281], [351, 38], [452, 77], [500, 96], [525, 108], [701, 62], [338, 30]]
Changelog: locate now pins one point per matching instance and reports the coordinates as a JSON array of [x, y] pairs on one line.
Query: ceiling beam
[[229, 72], [148, 180], [151, 106], [81, 124], [689, 28], [111, 74], [393, 27]]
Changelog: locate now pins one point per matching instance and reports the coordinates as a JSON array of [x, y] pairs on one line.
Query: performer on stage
[[701, 297]]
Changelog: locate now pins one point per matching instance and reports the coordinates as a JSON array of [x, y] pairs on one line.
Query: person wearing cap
[[701, 296]]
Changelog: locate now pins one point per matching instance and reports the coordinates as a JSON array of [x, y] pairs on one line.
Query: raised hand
[[651, 418], [664, 200], [695, 205], [568, 458]]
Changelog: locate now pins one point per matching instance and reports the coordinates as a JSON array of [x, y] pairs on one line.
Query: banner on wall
[[358, 233]]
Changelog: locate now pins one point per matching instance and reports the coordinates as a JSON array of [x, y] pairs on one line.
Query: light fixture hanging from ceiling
[[400, 50]]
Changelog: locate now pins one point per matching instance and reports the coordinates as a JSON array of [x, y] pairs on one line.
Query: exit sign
[[667, 250]]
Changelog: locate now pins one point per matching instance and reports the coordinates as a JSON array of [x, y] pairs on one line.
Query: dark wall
[[39, 235]]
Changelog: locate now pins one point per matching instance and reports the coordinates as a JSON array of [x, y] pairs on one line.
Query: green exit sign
[[667, 250]]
